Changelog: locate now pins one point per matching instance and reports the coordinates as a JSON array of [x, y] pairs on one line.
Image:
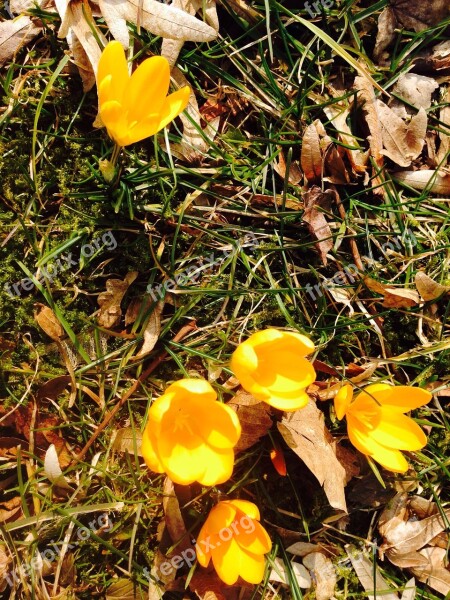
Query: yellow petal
[[393, 460], [218, 465], [203, 546], [226, 557], [252, 567], [114, 119], [182, 456], [149, 454], [184, 388], [300, 400], [403, 398], [148, 88], [140, 130], [221, 516], [161, 406], [248, 508], [256, 541], [342, 400], [398, 431], [216, 423], [173, 105], [113, 62]]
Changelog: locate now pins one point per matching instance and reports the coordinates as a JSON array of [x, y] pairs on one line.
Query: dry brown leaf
[[414, 544], [151, 331], [433, 181], [419, 15], [324, 574], [415, 90], [402, 142], [47, 321], [10, 508], [173, 518], [305, 433], [335, 168], [124, 589], [295, 174], [77, 23], [315, 219], [428, 288], [311, 155], [208, 586], [367, 94], [53, 388], [254, 417], [126, 440], [279, 573], [386, 33], [442, 156], [109, 301], [400, 298], [369, 575], [14, 34], [338, 114]]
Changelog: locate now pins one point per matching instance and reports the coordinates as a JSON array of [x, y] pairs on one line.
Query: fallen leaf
[[254, 417], [151, 331], [14, 34], [315, 219], [403, 142], [433, 181], [400, 298], [124, 589], [303, 548], [373, 117], [53, 470], [385, 35], [428, 288], [10, 508], [280, 574], [311, 155], [305, 433], [109, 301], [47, 321], [127, 439], [415, 89], [208, 586], [53, 388], [442, 156], [324, 574], [338, 114], [369, 575], [295, 174], [419, 15], [173, 518]]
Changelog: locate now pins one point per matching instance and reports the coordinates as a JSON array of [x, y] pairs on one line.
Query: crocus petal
[[160, 407], [186, 388], [173, 105], [252, 567], [403, 398], [182, 456], [342, 400], [397, 431], [284, 374], [393, 460], [218, 465], [113, 62], [219, 424], [221, 516], [256, 541], [248, 508], [150, 457], [300, 400], [113, 117], [227, 560], [148, 88], [202, 546]]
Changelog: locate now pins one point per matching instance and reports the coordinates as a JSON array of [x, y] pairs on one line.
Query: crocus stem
[[115, 154]]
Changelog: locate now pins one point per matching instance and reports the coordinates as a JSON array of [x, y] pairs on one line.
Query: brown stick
[[143, 376]]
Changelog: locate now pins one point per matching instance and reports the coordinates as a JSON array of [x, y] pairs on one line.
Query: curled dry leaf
[[125, 589], [369, 575], [53, 470], [367, 94], [151, 331], [393, 297], [47, 321], [129, 440], [14, 34], [416, 544], [311, 155], [435, 182], [280, 574], [403, 142], [324, 574], [173, 518], [338, 114], [254, 417], [428, 288], [305, 433], [444, 134], [416, 90], [109, 301], [315, 219]]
